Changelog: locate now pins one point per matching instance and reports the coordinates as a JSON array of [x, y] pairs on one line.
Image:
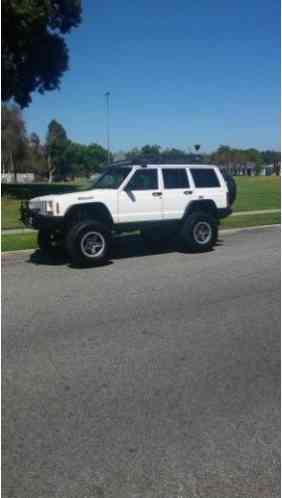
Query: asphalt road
[[157, 376]]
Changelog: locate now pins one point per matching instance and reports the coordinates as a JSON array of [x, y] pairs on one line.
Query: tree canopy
[[13, 139], [34, 53], [63, 158]]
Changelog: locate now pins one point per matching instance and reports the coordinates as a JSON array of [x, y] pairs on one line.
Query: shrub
[[29, 190]]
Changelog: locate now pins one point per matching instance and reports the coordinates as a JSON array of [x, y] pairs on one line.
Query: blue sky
[[179, 73]]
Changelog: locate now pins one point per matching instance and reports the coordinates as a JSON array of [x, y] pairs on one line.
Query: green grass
[[254, 193], [250, 220], [16, 242], [10, 213]]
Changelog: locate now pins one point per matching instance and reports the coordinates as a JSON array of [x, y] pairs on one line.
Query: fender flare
[[94, 208], [201, 205]]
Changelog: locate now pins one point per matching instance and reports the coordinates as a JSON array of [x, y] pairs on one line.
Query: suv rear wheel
[[88, 243], [199, 232]]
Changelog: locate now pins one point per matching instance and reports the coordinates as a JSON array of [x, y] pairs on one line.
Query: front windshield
[[112, 178]]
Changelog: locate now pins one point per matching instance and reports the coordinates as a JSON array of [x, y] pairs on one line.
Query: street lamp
[[107, 97]]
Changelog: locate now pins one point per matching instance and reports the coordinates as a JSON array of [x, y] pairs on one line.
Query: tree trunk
[[13, 167], [51, 170]]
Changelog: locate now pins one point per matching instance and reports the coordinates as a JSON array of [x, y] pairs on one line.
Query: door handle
[[157, 194], [187, 192]]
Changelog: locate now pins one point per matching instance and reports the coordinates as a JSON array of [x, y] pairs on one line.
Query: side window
[[175, 178], [144, 179], [205, 178]]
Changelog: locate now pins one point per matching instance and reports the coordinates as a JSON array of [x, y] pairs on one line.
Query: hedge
[[29, 190]]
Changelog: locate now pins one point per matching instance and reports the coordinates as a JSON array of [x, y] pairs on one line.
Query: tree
[[13, 140], [56, 147], [152, 151], [84, 160], [34, 54], [174, 155], [270, 156], [96, 156], [37, 156], [133, 153]]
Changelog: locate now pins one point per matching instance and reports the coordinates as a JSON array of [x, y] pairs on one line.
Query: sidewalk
[[238, 213], [260, 211]]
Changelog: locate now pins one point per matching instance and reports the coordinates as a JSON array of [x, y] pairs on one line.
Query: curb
[[20, 251], [226, 231], [247, 229]]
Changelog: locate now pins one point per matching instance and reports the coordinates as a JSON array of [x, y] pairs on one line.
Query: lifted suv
[[160, 200]]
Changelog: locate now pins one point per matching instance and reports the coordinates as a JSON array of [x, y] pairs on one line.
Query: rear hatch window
[[205, 178]]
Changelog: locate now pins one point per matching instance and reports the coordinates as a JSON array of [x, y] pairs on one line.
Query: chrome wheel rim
[[202, 232], [92, 244]]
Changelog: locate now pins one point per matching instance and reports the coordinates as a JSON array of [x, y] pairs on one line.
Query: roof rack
[[125, 162], [139, 161], [143, 161]]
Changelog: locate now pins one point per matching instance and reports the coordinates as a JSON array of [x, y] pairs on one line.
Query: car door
[[141, 198], [176, 192]]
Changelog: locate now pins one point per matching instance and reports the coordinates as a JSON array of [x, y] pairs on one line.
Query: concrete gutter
[[247, 229], [259, 211]]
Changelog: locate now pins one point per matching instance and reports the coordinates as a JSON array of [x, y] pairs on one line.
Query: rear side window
[[175, 178], [144, 180], [205, 178]]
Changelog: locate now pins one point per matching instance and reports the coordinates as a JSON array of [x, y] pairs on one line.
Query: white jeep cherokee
[[158, 199]]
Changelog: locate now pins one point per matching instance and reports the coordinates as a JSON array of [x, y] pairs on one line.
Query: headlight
[[50, 207]]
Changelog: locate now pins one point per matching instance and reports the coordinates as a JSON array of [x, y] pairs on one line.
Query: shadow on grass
[[123, 247]]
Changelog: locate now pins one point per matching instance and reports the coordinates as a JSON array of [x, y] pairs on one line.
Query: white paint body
[[140, 205]]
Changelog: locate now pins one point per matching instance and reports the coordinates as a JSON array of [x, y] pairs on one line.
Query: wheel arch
[[205, 205], [93, 210]]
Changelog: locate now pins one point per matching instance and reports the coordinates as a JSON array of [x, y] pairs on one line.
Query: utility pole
[[107, 97]]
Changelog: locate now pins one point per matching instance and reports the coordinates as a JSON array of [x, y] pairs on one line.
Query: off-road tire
[[192, 227], [76, 243]]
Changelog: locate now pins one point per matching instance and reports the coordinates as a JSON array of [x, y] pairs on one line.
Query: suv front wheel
[[199, 232], [88, 243]]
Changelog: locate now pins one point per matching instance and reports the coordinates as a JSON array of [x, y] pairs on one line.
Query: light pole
[[107, 97]]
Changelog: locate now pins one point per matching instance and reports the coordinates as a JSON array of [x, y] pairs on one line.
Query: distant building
[[267, 170], [20, 177], [250, 169]]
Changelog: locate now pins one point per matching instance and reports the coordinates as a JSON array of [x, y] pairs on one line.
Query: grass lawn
[[15, 242], [254, 193], [257, 192], [10, 213], [250, 220]]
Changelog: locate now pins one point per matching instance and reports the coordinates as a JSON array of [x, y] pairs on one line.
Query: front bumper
[[33, 219]]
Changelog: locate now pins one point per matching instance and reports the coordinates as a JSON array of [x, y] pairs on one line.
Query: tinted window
[[175, 178], [112, 178], [205, 178], [144, 180]]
